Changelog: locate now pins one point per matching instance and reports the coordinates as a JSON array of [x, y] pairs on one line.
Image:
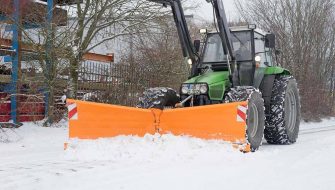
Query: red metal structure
[[29, 108], [15, 105], [19, 15]]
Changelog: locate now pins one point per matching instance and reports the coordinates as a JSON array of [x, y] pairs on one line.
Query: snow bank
[[31, 131], [323, 124], [151, 148]]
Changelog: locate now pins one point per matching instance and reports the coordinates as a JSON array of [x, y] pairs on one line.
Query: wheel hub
[[253, 119], [292, 111]]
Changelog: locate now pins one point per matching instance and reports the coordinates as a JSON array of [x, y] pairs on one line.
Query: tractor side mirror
[[270, 41], [197, 45]]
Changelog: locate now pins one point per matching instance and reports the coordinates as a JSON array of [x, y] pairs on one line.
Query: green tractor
[[233, 65]]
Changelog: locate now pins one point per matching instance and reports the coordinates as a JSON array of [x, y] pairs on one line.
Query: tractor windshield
[[241, 41]]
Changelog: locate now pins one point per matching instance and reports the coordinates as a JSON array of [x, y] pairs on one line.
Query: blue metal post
[[15, 62], [3, 18], [48, 52]]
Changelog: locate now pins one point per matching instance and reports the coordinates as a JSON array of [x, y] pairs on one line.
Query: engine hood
[[210, 78]]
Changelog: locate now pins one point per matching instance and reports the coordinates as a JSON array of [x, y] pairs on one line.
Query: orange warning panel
[[90, 120], [219, 121]]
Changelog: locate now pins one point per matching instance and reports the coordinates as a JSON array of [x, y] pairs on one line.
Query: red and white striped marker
[[73, 113], [242, 113]]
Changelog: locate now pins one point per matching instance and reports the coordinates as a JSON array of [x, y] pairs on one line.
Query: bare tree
[[100, 21], [43, 63], [305, 35], [157, 50]]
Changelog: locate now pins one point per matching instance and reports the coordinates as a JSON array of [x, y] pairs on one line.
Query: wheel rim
[[252, 120], [291, 108]]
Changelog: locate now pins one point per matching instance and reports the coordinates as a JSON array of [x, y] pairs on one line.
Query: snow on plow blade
[[88, 120]]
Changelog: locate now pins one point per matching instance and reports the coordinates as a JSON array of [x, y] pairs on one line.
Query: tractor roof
[[245, 28]]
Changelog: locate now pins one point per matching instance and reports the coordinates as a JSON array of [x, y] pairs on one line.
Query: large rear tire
[[282, 124], [159, 98], [255, 113]]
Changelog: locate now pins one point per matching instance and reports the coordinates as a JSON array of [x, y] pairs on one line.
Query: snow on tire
[[160, 98], [282, 124], [255, 112]]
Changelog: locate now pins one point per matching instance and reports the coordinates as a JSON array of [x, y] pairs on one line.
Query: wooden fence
[[98, 82], [114, 84]]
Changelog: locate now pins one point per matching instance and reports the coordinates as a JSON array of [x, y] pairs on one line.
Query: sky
[[205, 10]]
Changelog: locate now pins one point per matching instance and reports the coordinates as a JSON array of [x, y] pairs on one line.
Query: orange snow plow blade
[[89, 120], [206, 122]]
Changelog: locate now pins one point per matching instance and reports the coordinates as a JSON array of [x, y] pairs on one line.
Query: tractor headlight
[[195, 89], [189, 61], [184, 89], [203, 89]]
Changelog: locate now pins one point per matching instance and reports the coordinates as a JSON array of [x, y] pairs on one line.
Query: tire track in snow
[[317, 130], [16, 176], [52, 167]]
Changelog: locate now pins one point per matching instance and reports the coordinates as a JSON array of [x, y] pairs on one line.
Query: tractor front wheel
[[255, 113]]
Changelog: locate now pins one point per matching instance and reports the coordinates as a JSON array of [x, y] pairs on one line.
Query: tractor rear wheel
[[282, 124], [159, 98], [255, 113]]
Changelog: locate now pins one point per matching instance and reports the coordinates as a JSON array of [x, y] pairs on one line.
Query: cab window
[[262, 51]]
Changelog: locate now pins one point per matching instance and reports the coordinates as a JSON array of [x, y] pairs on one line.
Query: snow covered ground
[[35, 159]]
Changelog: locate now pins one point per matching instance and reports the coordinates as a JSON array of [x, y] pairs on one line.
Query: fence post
[[16, 60]]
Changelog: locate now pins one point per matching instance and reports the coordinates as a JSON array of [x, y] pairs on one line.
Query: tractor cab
[[252, 52]]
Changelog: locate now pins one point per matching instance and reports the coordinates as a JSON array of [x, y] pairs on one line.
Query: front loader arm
[[224, 30], [188, 48], [225, 36]]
